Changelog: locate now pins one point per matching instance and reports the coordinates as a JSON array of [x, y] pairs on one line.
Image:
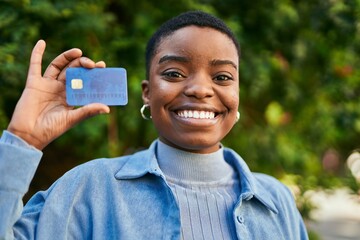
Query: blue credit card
[[96, 85]]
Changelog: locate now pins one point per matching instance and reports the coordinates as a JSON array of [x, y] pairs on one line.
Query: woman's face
[[193, 90]]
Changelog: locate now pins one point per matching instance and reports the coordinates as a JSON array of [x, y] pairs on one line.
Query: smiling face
[[193, 90]]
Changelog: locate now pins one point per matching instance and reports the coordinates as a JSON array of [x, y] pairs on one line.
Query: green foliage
[[300, 75]]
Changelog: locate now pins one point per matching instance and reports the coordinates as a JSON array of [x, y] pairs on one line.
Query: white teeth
[[196, 114]]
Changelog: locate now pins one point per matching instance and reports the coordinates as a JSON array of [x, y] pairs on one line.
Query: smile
[[196, 114]]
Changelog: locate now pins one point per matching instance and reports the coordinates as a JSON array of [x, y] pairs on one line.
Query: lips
[[196, 114]]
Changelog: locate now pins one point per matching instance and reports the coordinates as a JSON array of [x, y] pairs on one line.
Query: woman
[[186, 185]]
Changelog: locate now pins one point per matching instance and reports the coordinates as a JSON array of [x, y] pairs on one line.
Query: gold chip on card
[[76, 84]]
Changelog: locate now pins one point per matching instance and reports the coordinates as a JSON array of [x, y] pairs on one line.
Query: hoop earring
[[142, 110], [237, 116]]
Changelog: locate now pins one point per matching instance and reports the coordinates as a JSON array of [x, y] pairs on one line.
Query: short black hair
[[190, 18]]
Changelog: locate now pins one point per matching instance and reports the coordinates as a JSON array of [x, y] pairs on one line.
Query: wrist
[[26, 138]]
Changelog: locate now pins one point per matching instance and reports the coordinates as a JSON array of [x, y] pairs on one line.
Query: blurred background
[[299, 84]]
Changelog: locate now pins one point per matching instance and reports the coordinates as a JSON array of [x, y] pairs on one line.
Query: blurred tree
[[300, 78]]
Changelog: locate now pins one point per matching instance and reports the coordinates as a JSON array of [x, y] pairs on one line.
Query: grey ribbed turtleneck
[[206, 188]]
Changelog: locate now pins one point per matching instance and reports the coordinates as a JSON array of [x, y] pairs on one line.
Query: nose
[[199, 86]]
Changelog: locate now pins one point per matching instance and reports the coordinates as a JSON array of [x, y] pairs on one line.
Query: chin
[[194, 145]]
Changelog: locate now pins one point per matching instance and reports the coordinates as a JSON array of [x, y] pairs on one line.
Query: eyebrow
[[174, 58], [217, 62]]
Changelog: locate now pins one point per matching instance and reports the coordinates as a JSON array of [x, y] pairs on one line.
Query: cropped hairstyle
[[191, 18]]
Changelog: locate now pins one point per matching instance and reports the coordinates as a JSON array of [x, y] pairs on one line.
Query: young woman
[[185, 186]]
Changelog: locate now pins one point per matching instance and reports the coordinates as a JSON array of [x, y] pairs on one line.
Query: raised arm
[[41, 114]]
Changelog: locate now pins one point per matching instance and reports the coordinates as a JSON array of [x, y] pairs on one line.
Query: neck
[[193, 167]]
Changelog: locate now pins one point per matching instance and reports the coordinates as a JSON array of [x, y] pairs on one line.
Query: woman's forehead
[[197, 42]]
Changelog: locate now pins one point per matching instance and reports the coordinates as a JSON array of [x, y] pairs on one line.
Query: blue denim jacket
[[129, 198]]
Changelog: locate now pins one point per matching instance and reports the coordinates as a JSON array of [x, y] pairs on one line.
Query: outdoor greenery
[[299, 87]]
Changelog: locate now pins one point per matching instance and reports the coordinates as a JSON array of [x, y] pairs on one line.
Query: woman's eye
[[223, 78], [173, 74]]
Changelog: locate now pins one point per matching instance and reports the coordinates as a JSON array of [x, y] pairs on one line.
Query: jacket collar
[[139, 164], [250, 186], [143, 162]]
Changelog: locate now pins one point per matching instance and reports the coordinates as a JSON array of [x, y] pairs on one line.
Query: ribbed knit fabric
[[206, 188]]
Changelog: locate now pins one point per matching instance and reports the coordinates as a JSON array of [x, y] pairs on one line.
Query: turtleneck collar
[[192, 167]]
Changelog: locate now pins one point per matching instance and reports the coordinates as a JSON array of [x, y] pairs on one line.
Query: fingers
[[60, 62], [88, 63], [70, 58], [100, 64], [81, 62], [36, 59]]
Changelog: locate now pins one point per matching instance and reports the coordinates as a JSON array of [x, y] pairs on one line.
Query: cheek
[[162, 94], [232, 99], [235, 96], [166, 90], [157, 90]]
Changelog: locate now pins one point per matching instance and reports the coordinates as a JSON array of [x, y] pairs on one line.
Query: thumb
[[79, 114]]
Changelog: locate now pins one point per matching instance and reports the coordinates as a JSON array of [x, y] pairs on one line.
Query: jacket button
[[240, 219]]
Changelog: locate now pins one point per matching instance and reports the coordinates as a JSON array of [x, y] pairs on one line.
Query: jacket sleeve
[[18, 163]]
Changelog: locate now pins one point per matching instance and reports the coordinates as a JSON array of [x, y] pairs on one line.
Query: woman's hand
[[41, 114]]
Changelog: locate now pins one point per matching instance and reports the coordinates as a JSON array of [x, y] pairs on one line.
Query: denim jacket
[[128, 198]]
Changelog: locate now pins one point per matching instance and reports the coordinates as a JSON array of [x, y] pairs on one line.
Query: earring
[[237, 116], [142, 110]]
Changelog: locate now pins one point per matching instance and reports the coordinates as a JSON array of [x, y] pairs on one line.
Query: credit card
[[96, 85]]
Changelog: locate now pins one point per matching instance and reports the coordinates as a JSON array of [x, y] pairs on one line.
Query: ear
[[145, 85]]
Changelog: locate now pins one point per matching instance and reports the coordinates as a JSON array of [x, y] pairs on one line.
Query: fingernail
[[104, 111]]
